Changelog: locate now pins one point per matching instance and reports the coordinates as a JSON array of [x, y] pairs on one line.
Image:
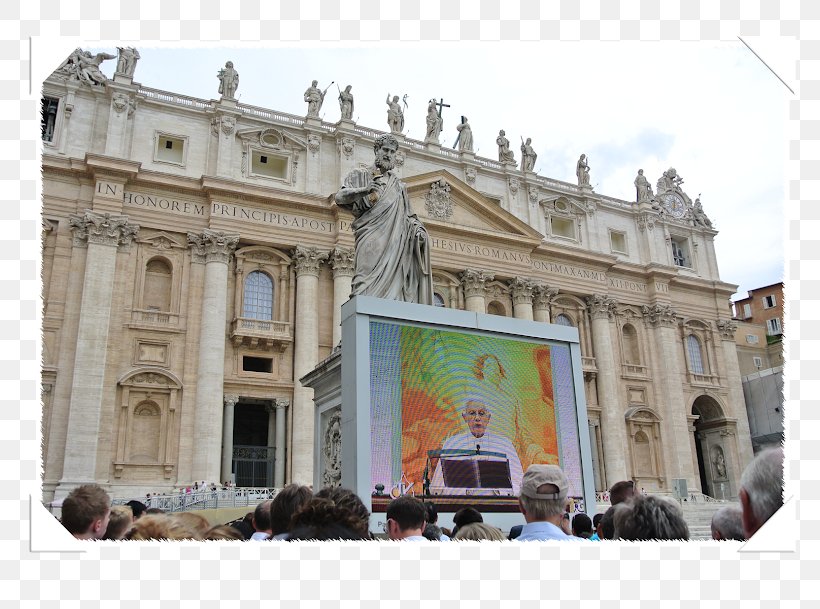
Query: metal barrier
[[206, 499]]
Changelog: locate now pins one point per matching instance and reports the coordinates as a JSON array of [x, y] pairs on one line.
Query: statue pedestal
[[345, 124], [432, 145], [388, 405], [312, 121], [122, 79]]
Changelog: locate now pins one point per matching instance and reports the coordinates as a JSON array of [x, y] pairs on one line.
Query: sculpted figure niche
[[392, 253]]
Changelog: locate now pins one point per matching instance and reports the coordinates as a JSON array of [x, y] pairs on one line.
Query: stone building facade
[[194, 267]]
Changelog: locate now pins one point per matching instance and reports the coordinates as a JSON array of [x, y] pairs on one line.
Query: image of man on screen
[[477, 440]]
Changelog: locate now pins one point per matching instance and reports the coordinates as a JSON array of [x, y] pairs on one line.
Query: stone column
[[102, 234], [593, 445], [601, 310], [279, 452], [735, 400], [474, 283], [307, 261], [342, 261], [215, 250], [542, 297], [227, 437], [674, 425], [521, 289]]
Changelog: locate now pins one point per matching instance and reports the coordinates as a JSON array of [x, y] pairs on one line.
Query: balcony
[[262, 334], [708, 380], [634, 370], [151, 319]]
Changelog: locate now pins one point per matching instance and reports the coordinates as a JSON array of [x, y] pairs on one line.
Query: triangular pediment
[[446, 203], [162, 241]]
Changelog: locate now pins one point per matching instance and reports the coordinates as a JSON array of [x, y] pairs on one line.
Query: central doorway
[[253, 452]]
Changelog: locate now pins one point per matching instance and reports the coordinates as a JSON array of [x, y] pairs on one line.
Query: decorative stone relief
[[601, 306], [514, 184], [332, 450], [120, 102], [474, 282], [470, 175], [522, 289], [224, 123], [212, 246], [660, 315], [400, 158], [646, 221], [84, 67], [314, 142], [307, 260], [342, 260], [727, 328], [533, 194], [150, 378], [347, 145], [438, 202], [105, 229]]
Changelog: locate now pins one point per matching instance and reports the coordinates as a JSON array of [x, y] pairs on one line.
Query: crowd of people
[[297, 513]]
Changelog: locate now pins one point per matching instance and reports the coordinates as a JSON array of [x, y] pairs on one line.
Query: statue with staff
[[315, 97], [528, 155], [464, 141]]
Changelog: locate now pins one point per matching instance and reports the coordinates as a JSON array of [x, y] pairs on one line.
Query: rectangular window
[[680, 252], [747, 311], [170, 149], [751, 339], [773, 327], [617, 242], [48, 120], [257, 364], [269, 165], [758, 362], [769, 301], [563, 227]]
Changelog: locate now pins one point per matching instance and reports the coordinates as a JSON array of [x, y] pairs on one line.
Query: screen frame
[[357, 315]]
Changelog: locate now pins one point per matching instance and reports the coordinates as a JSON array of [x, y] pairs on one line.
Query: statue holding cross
[[434, 121]]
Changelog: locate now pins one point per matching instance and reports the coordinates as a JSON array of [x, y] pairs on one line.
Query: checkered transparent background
[[384, 574]]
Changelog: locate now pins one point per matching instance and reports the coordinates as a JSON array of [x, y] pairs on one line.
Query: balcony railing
[[634, 370], [151, 317], [262, 334], [703, 379]]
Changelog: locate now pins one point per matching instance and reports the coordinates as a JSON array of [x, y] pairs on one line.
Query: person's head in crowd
[[432, 532], [193, 521], [465, 516], [160, 527], [543, 495], [622, 491], [566, 525], [261, 520], [137, 507], [727, 523], [322, 518], [86, 511], [154, 510], [596, 526], [349, 502], [478, 531], [244, 526], [119, 522], [582, 526], [287, 502], [647, 517], [223, 532], [406, 518], [761, 489], [606, 527], [432, 512]]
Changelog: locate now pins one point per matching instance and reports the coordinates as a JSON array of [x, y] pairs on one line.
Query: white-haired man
[[477, 414], [727, 523], [761, 489], [544, 490]]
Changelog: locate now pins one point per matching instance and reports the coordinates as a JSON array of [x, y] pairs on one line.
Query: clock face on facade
[[674, 204]]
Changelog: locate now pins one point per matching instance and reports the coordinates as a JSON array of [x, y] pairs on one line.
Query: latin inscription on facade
[[477, 249], [569, 271]]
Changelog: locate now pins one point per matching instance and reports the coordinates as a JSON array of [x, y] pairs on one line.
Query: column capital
[[601, 306], [212, 246], [543, 295], [342, 259], [522, 289], [660, 315], [727, 328], [105, 229], [307, 260], [281, 403], [474, 282], [230, 399]]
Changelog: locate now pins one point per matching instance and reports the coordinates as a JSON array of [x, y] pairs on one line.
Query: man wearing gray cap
[[543, 496]]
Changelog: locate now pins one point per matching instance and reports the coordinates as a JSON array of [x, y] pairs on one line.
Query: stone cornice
[[308, 260], [212, 246], [108, 166], [103, 229]]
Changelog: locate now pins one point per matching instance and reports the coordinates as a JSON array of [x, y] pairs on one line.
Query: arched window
[[258, 301], [157, 289], [438, 300], [695, 354], [563, 320], [632, 354]]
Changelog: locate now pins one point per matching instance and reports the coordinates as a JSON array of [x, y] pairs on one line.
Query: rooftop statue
[[670, 180], [464, 141], [228, 80], [434, 123], [346, 103], [392, 252], [699, 216], [85, 67], [528, 155], [315, 97], [643, 189], [127, 60], [395, 115], [505, 155], [582, 171]]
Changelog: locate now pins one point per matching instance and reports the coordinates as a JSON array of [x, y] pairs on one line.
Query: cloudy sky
[[712, 111]]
